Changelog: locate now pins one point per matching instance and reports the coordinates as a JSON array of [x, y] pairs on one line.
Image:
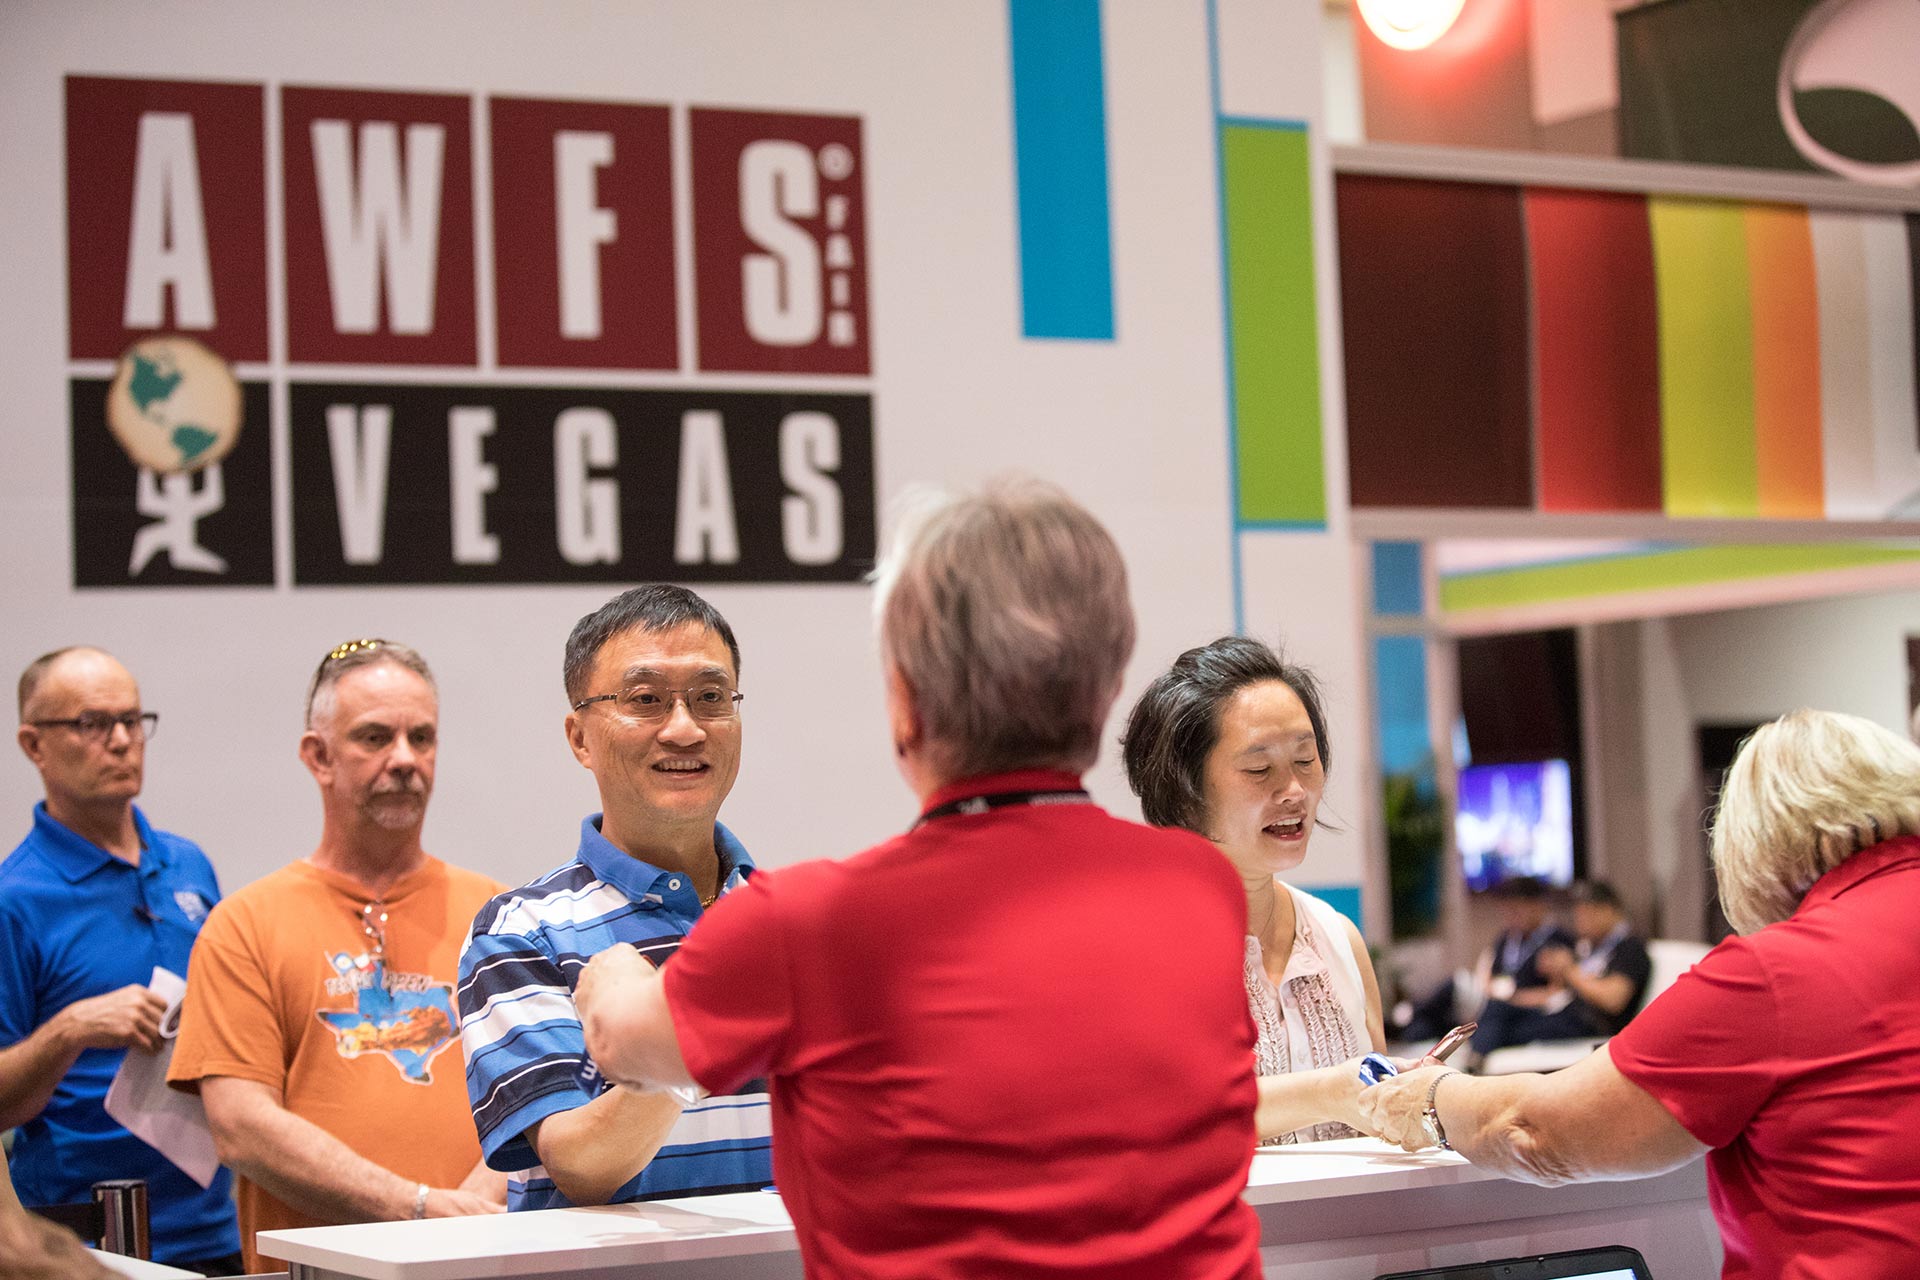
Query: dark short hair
[[1597, 892], [1522, 889], [1176, 724], [657, 606]]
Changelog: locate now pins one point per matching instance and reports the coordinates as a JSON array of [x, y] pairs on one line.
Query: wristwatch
[[420, 1201], [1431, 1116]]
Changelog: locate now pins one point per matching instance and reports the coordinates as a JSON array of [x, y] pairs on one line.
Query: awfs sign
[[473, 338]]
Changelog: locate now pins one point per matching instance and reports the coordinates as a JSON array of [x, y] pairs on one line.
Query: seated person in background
[[319, 1012], [1509, 972], [651, 678], [1593, 986]]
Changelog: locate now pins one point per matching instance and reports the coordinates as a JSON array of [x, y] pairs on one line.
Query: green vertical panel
[[1706, 358], [1273, 333]]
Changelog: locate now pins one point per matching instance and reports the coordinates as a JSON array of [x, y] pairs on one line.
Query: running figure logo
[[407, 1017]]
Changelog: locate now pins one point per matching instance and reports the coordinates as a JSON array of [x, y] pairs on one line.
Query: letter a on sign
[[168, 248], [166, 216], [704, 528]]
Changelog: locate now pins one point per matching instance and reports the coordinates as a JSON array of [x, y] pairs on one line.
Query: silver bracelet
[[1432, 1114], [420, 1202]]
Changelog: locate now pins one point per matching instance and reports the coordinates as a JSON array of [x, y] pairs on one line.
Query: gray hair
[[1007, 614], [351, 656], [1804, 794], [35, 674]]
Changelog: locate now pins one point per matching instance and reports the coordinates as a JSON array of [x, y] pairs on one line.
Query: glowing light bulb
[[1409, 24]]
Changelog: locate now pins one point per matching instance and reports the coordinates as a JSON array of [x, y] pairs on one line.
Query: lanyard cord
[[999, 800]]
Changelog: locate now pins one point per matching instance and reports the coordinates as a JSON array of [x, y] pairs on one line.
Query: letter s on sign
[[810, 523], [781, 287]]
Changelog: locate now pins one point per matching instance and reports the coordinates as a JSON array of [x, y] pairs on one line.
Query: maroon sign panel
[[583, 234], [410, 461], [379, 217], [779, 242], [166, 215]]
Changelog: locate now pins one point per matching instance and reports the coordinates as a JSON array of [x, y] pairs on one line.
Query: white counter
[[1329, 1211]]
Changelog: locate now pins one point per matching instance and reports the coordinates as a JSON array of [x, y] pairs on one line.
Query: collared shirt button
[[673, 884]]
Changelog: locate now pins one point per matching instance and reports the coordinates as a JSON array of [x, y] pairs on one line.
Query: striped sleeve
[[524, 1044]]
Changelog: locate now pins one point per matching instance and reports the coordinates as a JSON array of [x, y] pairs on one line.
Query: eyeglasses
[[373, 919], [651, 702], [98, 726], [334, 654]]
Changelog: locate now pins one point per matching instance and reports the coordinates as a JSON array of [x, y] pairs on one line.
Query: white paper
[[171, 1122], [139, 1270]]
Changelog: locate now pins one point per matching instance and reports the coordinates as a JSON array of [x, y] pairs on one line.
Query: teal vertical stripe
[[1060, 159], [1400, 682], [1344, 898], [1396, 579]]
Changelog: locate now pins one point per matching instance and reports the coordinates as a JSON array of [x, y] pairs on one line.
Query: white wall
[[1848, 654], [1747, 666], [1134, 427]]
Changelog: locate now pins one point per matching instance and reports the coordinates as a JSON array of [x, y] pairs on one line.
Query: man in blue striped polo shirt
[[652, 679]]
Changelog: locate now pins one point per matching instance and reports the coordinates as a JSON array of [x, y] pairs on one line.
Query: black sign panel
[[469, 484], [206, 528]]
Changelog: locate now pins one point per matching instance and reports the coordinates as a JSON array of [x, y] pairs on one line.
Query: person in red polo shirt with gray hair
[[1012, 1041], [1791, 1053]]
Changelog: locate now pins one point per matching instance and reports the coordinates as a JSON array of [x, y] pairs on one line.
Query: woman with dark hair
[[1231, 743]]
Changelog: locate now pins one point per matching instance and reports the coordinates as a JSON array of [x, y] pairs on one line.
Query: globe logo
[[1848, 96], [174, 405]]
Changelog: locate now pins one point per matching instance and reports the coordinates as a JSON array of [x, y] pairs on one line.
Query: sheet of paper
[[171, 1122], [138, 1269]]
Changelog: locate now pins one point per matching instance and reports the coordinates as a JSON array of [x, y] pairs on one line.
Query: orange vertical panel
[[1786, 361]]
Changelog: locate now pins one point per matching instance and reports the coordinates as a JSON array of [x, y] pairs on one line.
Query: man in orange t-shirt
[[320, 1025]]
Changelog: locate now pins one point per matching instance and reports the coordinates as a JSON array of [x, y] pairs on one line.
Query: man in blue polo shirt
[[90, 902], [651, 679]]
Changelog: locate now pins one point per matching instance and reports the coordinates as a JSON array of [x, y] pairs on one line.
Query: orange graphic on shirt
[[421, 1031], [407, 1018]]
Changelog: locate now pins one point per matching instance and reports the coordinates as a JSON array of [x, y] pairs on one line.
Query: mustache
[[413, 785]]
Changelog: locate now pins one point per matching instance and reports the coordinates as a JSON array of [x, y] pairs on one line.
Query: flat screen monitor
[[1515, 820], [1615, 1263]]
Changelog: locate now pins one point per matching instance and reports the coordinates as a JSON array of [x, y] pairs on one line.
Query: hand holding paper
[[171, 1122]]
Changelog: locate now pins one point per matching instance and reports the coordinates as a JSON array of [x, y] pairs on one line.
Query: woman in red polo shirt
[[1791, 1053], [1011, 1041]]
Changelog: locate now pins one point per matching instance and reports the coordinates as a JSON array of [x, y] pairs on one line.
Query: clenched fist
[[125, 1019]]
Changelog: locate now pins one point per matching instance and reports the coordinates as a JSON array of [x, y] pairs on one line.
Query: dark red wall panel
[[1433, 286]]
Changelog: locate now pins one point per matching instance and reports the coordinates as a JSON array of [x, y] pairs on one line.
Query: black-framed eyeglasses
[[653, 702], [98, 726]]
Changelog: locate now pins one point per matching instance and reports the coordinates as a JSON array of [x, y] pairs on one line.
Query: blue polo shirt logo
[[192, 905], [406, 1018]]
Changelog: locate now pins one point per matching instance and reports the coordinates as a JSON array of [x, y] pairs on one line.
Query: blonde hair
[[1804, 794], [1006, 611]]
